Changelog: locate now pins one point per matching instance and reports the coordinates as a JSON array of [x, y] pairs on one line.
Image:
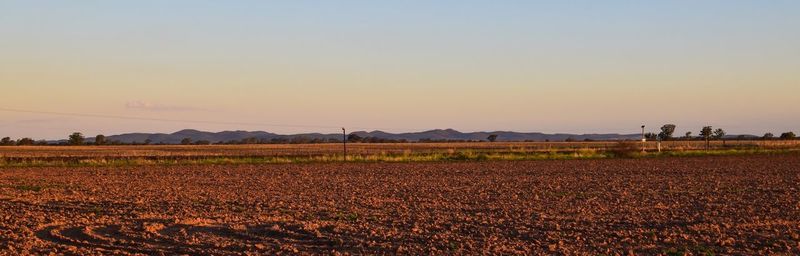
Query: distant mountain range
[[436, 135]]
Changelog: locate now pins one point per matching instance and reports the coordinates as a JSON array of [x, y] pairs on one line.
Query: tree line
[[709, 133]]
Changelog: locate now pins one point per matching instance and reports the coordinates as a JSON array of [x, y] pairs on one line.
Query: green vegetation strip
[[419, 157]]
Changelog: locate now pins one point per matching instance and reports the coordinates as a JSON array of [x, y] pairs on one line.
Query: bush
[[25, 142], [76, 138], [100, 139], [625, 149], [186, 141]]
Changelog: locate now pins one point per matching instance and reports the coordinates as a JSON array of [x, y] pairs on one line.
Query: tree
[[705, 133], [492, 138], [354, 138], [720, 135], [25, 142], [186, 141], [76, 138], [666, 131], [650, 136], [100, 139], [768, 136], [148, 141], [788, 136], [6, 142], [688, 135]]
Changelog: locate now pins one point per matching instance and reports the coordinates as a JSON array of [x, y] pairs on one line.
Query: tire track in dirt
[[160, 236]]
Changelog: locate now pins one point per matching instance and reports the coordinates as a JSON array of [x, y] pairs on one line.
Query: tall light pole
[[643, 140], [344, 142]]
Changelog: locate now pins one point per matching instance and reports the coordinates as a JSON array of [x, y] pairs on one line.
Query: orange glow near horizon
[[468, 65]]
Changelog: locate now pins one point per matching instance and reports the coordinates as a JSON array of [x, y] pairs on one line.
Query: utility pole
[[643, 140], [344, 143]]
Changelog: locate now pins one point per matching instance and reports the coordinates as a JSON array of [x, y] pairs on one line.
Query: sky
[[398, 66]]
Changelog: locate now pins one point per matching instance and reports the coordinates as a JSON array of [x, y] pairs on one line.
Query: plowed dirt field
[[719, 205]]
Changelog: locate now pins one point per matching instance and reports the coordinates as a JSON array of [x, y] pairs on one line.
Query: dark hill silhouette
[[437, 135]]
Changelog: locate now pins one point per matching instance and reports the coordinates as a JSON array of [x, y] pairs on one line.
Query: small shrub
[[33, 188], [625, 149]]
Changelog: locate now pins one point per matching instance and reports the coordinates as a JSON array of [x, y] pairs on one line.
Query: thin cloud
[[150, 106], [36, 121]]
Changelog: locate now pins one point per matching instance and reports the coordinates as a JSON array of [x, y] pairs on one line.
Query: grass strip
[[372, 158]]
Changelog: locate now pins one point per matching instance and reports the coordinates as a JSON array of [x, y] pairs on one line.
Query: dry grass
[[406, 152]]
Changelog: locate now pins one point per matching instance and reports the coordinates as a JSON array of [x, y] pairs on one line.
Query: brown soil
[[720, 205]]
